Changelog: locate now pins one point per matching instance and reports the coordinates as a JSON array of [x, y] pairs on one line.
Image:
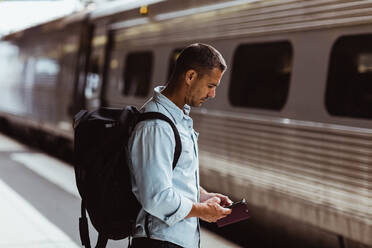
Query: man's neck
[[175, 94]]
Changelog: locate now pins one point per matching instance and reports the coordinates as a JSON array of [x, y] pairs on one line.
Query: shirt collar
[[175, 111]]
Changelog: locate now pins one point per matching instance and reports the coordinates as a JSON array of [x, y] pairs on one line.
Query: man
[[172, 200]]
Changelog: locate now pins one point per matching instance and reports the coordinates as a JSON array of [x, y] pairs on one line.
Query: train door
[[78, 101], [96, 73]]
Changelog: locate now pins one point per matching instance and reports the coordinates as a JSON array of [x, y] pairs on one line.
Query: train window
[[260, 75], [93, 84], [349, 87], [46, 71], [11, 64], [137, 73], [172, 61]]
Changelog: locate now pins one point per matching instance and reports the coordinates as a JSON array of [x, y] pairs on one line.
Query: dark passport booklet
[[239, 212]]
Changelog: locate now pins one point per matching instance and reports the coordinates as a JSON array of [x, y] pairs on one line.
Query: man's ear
[[190, 76]]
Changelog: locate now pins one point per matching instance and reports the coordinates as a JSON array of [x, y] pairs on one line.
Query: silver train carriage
[[291, 126]]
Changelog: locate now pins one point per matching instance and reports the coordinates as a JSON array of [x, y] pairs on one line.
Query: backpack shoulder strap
[[157, 115]]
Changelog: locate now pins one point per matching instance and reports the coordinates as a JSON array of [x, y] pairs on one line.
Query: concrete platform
[[40, 204]]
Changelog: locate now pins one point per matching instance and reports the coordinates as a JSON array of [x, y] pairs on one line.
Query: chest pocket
[[187, 156]]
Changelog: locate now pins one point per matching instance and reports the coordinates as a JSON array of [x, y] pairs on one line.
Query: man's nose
[[212, 93]]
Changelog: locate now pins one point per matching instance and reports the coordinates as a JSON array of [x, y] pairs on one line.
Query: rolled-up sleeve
[[151, 152]]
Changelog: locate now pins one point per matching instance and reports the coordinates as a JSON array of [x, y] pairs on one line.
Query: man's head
[[199, 69]]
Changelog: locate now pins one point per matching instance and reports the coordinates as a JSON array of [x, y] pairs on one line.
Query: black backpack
[[102, 172]]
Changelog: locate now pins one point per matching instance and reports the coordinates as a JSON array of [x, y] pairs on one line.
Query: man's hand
[[224, 200], [210, 210]]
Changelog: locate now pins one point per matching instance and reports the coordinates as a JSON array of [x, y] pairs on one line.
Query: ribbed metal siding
[[264, 17], [322, 165]]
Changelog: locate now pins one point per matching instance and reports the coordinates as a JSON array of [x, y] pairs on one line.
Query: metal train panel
[[317, 164], [251, 19], [43, 91]]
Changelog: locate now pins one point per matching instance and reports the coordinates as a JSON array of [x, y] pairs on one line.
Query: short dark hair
[[199, 57]]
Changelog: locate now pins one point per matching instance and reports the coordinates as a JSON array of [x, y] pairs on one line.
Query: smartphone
[[242, 202], [239, 213]]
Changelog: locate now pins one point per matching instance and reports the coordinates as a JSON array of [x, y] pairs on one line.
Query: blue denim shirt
[[166, 194]]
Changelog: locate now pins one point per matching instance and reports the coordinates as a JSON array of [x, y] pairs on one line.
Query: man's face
[[203, 88]]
